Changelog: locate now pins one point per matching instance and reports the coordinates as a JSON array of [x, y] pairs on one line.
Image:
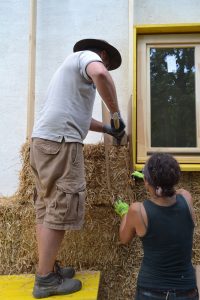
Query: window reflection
[[173, 116]]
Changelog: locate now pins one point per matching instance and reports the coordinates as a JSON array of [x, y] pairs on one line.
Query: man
[[57, 154]]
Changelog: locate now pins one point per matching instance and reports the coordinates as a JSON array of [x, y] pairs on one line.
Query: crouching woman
[[165, 225]]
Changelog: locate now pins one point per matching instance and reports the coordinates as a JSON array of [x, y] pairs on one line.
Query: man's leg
[[50, 279], [47, 282], [49, 241]]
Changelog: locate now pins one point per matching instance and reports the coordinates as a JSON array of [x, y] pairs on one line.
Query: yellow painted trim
[[190, 167], [184, 167], [155, 29], [167, 28], [138, 167], [134, 114]]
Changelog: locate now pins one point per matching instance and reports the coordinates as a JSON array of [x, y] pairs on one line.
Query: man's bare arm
[[104, 84], [96, 126]]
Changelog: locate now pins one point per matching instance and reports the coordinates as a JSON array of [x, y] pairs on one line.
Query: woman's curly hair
[[162, 171]]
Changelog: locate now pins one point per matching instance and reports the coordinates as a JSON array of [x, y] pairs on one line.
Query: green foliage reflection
[[173, 117]]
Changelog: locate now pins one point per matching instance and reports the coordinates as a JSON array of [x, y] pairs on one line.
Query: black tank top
[[167, 247]]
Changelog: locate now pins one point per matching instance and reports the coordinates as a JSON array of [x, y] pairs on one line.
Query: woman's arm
[[135, 222], [127, 229]]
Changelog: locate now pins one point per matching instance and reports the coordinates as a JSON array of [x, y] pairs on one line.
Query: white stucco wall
[[59, 25], [13, 89], [166, 12]]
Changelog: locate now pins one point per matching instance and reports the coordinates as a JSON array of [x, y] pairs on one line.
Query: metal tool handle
[[116, 122]]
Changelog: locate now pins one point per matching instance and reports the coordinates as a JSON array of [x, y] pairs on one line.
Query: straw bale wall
[[96, 246]]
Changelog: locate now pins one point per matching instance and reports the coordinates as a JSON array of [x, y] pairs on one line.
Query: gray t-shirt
[[69, 101]]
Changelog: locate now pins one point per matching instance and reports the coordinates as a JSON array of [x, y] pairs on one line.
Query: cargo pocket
[[70, 203], [46, 146]]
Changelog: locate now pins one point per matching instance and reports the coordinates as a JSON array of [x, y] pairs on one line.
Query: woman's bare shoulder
[[185, 194]]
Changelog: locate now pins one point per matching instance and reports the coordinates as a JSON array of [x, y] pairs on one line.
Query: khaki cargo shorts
[[60, 183]]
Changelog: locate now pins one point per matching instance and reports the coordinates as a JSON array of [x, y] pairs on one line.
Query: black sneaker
[[53, 284], [65, 272]]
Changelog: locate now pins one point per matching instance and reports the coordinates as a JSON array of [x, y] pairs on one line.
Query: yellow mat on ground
[[19, 287]]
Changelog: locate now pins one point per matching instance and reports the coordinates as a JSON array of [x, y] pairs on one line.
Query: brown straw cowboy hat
[[114, 55]]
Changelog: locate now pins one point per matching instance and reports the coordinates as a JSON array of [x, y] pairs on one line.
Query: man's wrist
[[115, 114]]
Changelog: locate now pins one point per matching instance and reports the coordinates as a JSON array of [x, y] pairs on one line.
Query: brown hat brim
[[114, 55]]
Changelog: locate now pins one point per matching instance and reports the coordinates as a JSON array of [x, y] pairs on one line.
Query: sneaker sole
[[46, 294]]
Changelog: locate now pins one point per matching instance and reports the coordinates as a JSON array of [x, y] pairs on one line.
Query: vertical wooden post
[[131, 116], [31, 70], [107, 142], [198, 276], [108, 139]]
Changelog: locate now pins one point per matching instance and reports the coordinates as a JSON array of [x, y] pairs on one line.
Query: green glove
[[138, 174], [121, 207]]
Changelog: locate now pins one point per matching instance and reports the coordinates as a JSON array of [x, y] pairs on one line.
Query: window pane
[[172, 83]]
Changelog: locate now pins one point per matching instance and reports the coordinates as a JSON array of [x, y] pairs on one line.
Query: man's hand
[[121, 207], [116, 122], [109, 130], [116, 127]]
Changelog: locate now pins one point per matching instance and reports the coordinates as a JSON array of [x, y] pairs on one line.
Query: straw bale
[[99, 193], [26, 179], [96, 246], [97, 176], [17, 237]]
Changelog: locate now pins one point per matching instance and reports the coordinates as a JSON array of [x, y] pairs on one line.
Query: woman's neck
[[163, 201]]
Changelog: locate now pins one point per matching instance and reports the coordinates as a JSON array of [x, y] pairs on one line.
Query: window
[[168, 96]]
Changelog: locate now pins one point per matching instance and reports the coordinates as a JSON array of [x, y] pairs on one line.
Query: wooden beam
[[108, 141], [197, 267], [168, 28], [31, 70]]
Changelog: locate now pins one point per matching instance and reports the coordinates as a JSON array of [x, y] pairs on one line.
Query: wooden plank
[[19, 287], [198, 276], [108, 140], [167, 28], [31, 70], [130, 132]]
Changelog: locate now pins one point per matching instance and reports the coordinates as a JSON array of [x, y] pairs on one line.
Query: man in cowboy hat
[[56, 155]]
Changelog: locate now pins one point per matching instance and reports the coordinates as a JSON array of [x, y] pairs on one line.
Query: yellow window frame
[[154, 29]]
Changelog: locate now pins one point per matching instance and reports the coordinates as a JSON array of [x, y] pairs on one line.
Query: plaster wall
[[166, 12], [14, 24], [59, 25]]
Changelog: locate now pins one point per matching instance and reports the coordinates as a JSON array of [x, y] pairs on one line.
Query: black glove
[[115, 133], [116, 127], [116, 122]]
